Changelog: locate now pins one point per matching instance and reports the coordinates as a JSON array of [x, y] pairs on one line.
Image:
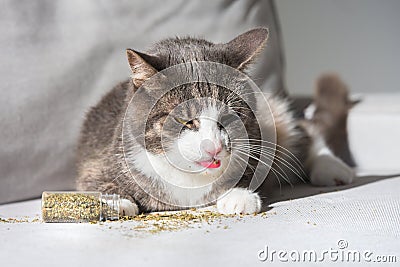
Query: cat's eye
[[191, 124]]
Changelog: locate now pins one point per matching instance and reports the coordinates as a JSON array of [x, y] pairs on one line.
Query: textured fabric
[[59, 57], [360, 219]]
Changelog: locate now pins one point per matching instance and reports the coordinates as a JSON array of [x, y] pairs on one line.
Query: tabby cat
[[199, 143]]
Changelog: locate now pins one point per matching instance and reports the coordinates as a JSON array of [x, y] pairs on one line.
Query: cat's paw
[[329, 170], [127, 208], [239, 201]]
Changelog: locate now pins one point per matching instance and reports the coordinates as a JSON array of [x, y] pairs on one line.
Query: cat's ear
[[141, 66], [244, 48]]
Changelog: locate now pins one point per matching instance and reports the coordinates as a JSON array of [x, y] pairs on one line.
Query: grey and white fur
[[112, 159]]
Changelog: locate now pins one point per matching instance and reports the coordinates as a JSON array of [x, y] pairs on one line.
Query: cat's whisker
[[267, 165], [253, 169], [265, 148], [273, 156], [274, 171], [245, 163], [279, 158], [277, 178], [269, 142]]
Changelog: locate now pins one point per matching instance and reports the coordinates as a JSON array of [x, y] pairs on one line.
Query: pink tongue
[[211, 164]]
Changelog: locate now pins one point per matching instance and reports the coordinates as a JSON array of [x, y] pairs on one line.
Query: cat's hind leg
[[329, 158], [325, 169]]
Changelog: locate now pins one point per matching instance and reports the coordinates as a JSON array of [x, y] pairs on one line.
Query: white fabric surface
[[367, 217], [365, 214], [374, 131]]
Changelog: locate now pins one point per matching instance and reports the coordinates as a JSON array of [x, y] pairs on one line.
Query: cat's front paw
[[239, 201], [329, 170], [127, 208]]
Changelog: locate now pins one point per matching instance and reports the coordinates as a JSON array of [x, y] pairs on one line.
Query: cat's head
[[194, 123]]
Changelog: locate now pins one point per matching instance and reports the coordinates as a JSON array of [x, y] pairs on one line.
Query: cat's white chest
[[184, 189]]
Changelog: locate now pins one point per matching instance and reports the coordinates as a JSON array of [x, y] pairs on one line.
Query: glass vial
[[79, 206]]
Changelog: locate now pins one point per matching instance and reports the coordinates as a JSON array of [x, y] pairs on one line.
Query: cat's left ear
[[244, 48], [141, 65]]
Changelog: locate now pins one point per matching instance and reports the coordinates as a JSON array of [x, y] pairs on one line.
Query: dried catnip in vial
[[79, 206]]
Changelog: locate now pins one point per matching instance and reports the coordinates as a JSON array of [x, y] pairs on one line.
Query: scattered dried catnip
[[93, 207], [174, 221]]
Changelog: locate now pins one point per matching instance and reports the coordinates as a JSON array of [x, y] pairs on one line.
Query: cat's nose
[[212, 148], [215, 151]]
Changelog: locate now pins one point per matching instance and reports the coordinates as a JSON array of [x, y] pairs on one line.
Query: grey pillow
[[60, 57]]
